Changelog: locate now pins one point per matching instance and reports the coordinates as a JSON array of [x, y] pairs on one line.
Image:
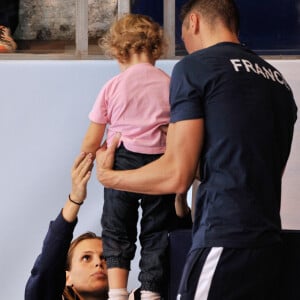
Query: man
[[235, 113]]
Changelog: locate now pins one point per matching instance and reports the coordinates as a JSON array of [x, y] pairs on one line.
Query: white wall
[[43, 117], [290, 205]]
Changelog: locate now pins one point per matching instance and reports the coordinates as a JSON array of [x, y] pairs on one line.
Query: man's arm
[[173, 172]]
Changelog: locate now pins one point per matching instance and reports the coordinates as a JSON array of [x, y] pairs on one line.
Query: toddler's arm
[[93, 138]]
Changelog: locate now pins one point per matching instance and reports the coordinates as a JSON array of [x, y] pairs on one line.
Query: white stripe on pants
[[207, 273]]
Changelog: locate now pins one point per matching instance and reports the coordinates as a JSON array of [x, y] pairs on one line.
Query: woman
[[76, 270], [66, 270]]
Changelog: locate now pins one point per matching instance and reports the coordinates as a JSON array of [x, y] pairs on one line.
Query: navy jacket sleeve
[[48, 278]]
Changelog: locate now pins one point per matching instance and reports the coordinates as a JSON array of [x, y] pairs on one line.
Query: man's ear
[[68, 279], [195, 22]]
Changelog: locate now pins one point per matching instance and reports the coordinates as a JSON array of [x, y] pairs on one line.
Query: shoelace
[[1, 32], [3, 38]]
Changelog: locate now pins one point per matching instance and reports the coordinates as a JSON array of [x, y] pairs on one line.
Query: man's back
[[249, 114]]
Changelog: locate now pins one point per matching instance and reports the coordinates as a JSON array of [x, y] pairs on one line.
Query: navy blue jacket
[[48, 277]]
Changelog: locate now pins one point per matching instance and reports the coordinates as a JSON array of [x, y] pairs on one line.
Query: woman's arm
[[47, 279], [80, 174]]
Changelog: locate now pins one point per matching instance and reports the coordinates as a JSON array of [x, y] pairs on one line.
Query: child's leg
[[117, 282], [147, 295], [157, 219], [117, 278], [118, 294], [119, 220]]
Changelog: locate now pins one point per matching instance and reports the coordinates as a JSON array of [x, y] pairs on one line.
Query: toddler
[[134, 103]]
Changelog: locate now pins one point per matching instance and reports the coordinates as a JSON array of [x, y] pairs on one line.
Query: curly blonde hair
[[134, 33]]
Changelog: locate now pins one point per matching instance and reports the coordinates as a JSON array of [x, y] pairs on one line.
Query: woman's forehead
[[89, 245]]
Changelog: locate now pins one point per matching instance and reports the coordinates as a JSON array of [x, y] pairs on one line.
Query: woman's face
[[88, 272]]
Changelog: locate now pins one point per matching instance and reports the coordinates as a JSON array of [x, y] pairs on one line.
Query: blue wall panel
[[271, 26], [267, 26]]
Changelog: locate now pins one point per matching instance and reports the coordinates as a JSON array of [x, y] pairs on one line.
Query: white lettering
[[236, 64], [269, 73], [248, 65], [278, 77], [259, 70]]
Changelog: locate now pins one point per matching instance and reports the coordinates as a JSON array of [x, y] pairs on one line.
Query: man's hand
[[105, 157]]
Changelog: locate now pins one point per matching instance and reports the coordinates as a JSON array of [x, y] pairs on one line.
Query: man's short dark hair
[[224, 10]]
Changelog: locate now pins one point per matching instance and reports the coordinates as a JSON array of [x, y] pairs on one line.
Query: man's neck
[[219, 36]]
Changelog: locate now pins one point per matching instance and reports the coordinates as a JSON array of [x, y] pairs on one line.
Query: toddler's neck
[[136, 58]]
